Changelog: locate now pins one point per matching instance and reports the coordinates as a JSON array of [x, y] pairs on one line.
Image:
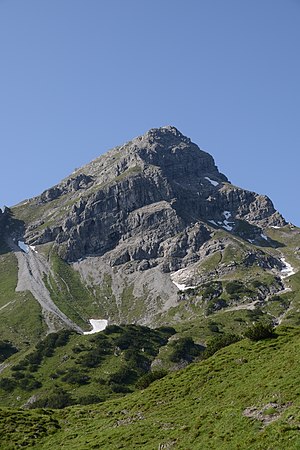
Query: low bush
[[212, 290], [7, 384], [111, 329], [254, 314], [53, 340], [166, 330], [260, 331], [184, 348], [90, 360], [18, 375], [119, 388], [21, 365], [29, 383], [149, 377], [58, 398], [124, 375], [136, 360], [6, 350], [90, 399], [218, 342], [214, 327], [234, 287], [215, 305], [75, 377]]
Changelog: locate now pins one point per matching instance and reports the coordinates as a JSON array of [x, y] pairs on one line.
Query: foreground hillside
[[245, 396]]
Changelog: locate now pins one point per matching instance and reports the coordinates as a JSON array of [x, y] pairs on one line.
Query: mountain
[[130, 235], [154, 246]]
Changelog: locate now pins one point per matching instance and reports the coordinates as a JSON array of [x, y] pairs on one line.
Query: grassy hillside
[[21, 316], [67, 368], [245, 396]]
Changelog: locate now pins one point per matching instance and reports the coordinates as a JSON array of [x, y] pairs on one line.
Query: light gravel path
[[32, 267], [7, 304], [3, 366], [251, 306]]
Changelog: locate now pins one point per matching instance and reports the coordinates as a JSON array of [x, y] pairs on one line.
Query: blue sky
[[78, 77]]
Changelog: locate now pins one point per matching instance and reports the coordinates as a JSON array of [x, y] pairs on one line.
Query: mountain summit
[[163, 173]]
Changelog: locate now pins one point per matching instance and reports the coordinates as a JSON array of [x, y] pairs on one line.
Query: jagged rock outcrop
[[81, 181]]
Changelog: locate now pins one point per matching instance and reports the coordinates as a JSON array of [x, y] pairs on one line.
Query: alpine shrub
[[260, 331]]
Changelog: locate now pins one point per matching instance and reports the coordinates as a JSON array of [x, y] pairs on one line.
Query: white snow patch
[[213, 182], [23, 246], [288, 269], [32, 247], [251, 241], [226, 223], [98, 325], [179, 277], [226, 214], [227, 226], [264, 236], [179, 286], [183, 287], [2, 208], [275, 226]]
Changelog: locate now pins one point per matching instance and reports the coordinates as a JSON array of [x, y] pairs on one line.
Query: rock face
[[146, 198], [137, 222]]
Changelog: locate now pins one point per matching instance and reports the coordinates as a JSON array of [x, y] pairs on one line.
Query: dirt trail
[[3, 366], [251, 306], [32, 267]]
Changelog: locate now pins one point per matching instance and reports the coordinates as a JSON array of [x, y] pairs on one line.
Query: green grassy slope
[[245, 396], [20, 315]]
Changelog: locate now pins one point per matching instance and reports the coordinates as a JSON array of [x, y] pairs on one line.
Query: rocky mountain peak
[[166, 135], [174, 153], [155, 186]]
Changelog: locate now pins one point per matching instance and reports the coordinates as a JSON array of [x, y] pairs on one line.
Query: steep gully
[[31, 269]]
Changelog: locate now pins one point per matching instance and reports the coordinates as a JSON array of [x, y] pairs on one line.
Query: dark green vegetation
[[66, 368], [244, 396], [260, 331], [6, 350]]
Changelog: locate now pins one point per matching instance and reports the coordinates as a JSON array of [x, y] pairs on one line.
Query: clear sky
[[78, 77]]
